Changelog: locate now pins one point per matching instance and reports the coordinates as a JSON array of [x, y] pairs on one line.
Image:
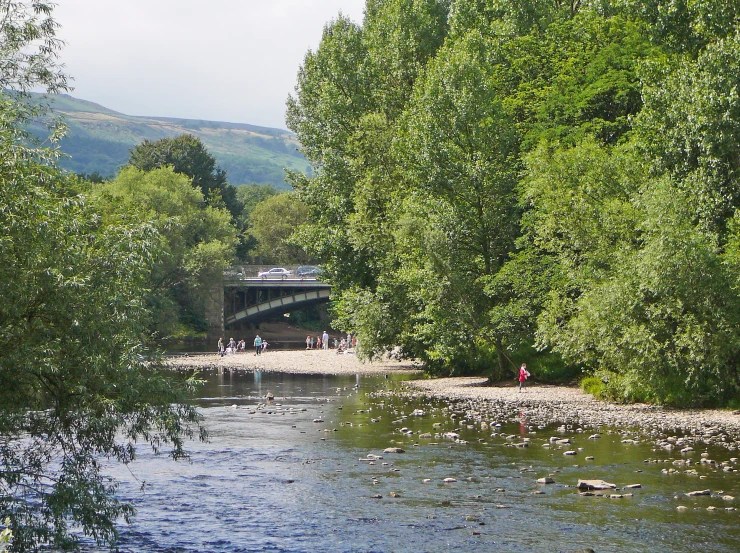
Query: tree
[[187, 155], [29, 49], [461, 150], [401, 36], [196, 240], [273, 223], [492, 175], [249, 196], [74, 384]]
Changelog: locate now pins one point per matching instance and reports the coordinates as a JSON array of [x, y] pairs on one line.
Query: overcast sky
[[222, 60]]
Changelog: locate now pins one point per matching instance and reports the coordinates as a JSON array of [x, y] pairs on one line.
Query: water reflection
[[272, 479]]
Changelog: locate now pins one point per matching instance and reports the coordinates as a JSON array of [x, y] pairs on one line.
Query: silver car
[[275, 272]]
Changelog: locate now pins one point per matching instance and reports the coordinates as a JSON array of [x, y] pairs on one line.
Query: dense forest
[[546, 181]]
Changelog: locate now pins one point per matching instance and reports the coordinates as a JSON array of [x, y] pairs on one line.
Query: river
[[286, 476]]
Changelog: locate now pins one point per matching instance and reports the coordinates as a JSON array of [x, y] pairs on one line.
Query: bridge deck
[[275, 283]]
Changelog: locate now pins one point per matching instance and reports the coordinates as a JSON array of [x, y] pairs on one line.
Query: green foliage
[[6, 535], [187, 155], [273, 222], [196, 240], [492, 175], [74, 386], [593, 386], [248, 197]]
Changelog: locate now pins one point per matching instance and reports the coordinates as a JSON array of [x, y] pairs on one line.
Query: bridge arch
[[282, 304], [252, 300]]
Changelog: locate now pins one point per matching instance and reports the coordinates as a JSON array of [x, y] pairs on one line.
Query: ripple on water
[[263, 485]]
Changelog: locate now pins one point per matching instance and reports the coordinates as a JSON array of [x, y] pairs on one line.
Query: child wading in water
[[523, 375]]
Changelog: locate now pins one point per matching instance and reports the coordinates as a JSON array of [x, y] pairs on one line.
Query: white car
[[276, 272]]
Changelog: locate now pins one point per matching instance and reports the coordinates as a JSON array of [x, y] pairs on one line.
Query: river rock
[[449, 480], [394, 450], [545, 480], [571, 452], [698, 493], [595, 485]]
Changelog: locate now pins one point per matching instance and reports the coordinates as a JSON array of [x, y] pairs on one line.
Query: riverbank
[[544, 404], [303, 361], [539, 404]]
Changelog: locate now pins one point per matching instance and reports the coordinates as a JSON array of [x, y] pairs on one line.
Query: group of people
[[260, 345], [323, 342]]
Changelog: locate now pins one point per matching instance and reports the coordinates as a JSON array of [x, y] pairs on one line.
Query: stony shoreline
[[545, 404], [292, 361], [541, 404]]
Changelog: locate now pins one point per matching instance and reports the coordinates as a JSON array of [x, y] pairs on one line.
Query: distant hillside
[[99, 139]]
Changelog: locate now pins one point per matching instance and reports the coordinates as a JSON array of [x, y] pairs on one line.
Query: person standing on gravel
[[523, 375], [325, 340], [258, 345]]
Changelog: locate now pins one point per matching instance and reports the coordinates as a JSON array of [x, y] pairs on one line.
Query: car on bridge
[[275, 272], [308, 271]]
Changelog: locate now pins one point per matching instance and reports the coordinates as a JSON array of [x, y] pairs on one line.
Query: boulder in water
[[595, 485]]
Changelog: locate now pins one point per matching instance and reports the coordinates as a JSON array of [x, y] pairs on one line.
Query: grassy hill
[[99, 139]]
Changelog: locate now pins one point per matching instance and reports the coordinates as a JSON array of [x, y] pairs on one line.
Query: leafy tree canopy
[[74, 384], [546, 177], [196, 240], [187, 155], [273, 223]]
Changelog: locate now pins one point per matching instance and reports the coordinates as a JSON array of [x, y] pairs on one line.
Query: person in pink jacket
[[523, 375]]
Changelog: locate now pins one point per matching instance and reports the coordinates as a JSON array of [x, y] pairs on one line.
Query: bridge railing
[[253, 271]]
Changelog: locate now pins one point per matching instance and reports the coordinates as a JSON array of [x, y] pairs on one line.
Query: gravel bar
[[292, 361]]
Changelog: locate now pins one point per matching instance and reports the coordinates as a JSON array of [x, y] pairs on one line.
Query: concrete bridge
[[244, 297]]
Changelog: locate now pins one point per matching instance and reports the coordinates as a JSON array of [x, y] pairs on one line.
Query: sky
[[222, 60]]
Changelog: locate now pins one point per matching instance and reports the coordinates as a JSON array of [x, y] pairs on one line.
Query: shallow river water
[[272, 478]]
